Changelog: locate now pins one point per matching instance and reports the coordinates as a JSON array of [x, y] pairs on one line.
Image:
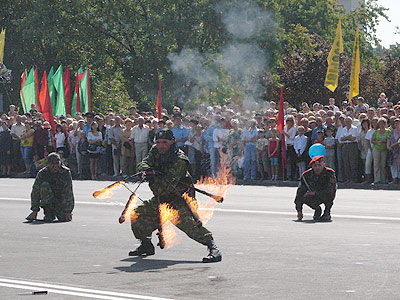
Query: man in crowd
[[52, 190], [115, 136], [168, 171], [139, 138], [317, 186]]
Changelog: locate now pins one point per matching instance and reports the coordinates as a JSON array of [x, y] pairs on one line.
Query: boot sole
[[207, 260]]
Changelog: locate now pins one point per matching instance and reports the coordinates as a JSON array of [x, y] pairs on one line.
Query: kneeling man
[[317, 186], [52, 191]]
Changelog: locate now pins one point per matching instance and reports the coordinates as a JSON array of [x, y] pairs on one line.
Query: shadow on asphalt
[[143, 264]]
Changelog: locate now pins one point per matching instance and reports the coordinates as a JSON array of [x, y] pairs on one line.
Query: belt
[[352, 143]]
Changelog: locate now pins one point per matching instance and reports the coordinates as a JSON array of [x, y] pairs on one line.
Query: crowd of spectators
[[362, 142]]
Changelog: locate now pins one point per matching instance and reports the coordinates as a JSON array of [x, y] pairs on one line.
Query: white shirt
[[368, 137], [17, 129], [300, 143], [349, 132], [219, 134], [60, 139], [140, 135], [338, 134], [292, 133]]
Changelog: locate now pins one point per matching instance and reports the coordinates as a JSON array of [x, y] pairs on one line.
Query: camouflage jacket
[[172, 172], [324, 185], [61, 186]]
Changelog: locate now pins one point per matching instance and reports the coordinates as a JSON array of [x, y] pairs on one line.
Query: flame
[[204, 211], [108, 191], [222, 182], [169, 216]]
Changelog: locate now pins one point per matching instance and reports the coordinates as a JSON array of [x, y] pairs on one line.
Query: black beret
[[165, 134]]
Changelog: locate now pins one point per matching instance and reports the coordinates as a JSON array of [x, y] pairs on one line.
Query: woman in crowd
[[393, 144], [60, 139], [26, 146], [363, 143], [379, 140], [290, 133], [95, 140]]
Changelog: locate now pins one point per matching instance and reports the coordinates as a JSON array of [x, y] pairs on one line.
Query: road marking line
[[230, 210], [68, 290]]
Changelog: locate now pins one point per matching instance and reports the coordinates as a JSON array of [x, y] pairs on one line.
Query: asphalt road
[[266, 255]]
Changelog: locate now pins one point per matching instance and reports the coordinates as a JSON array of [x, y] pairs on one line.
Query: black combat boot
[[326, 217], [146, 248], [49, 215], [299, 216], [317, 213], [214, 255]]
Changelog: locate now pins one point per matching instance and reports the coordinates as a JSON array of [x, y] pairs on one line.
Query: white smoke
[[242, 60]]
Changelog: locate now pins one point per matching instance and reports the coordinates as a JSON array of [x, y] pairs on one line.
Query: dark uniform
[[324, 185], [172, 179], [53, 192]]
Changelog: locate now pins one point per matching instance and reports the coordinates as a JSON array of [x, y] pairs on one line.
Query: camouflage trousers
[[145, 220], [46, 198]]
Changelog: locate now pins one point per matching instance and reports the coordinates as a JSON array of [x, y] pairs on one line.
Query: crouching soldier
[[317, 186], [52, 190]]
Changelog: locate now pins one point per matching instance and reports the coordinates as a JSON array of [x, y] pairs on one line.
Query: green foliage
[[126, 44]]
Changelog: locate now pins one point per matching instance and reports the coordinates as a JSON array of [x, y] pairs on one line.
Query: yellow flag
[[2, 42], [332, 74], [355, 68]]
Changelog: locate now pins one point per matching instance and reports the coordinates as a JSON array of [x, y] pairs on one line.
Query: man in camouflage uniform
[[317, 186], [52, 190], [167, 170]]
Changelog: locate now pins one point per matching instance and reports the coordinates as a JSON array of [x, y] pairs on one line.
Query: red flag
[[159, 101], [23, 79], [36, 85], [78, 97], [44, 102], [67, 90], [281, 127], [90, 99]]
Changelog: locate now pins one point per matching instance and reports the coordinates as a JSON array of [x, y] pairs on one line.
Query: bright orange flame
[[206, 208], [169, 216], [222, 182], [132, 204], [108, 191]]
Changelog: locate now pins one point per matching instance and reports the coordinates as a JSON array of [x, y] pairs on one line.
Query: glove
[[148, 175]]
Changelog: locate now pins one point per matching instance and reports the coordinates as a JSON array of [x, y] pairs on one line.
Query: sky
[[385, 30]]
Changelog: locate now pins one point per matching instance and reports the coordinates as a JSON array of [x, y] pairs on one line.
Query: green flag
[[29, 90], [58, 83], [52, 92], [76, 98], [84, 93]]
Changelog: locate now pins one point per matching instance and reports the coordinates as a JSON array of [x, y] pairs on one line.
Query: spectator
[[379, 141], [128, 153], [262, 154], [82, 148], [115, 136], [329, 143], [27, 145], [249, 137], [181, 133], [363, 143], [290, 133], [139, 138], [5, 149], [393, 144], [273, 148], [300, 145], [382, 100], [95, 140], [350, 150], [16, 132], [60, 138]]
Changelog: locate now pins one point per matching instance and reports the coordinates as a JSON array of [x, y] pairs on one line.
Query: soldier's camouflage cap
[[53, 157], [165, 134]]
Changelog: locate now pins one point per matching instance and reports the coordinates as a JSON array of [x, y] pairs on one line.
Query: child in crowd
[[329, 143], [320, 137], [262, 154], [273, 152], [300, 145]]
